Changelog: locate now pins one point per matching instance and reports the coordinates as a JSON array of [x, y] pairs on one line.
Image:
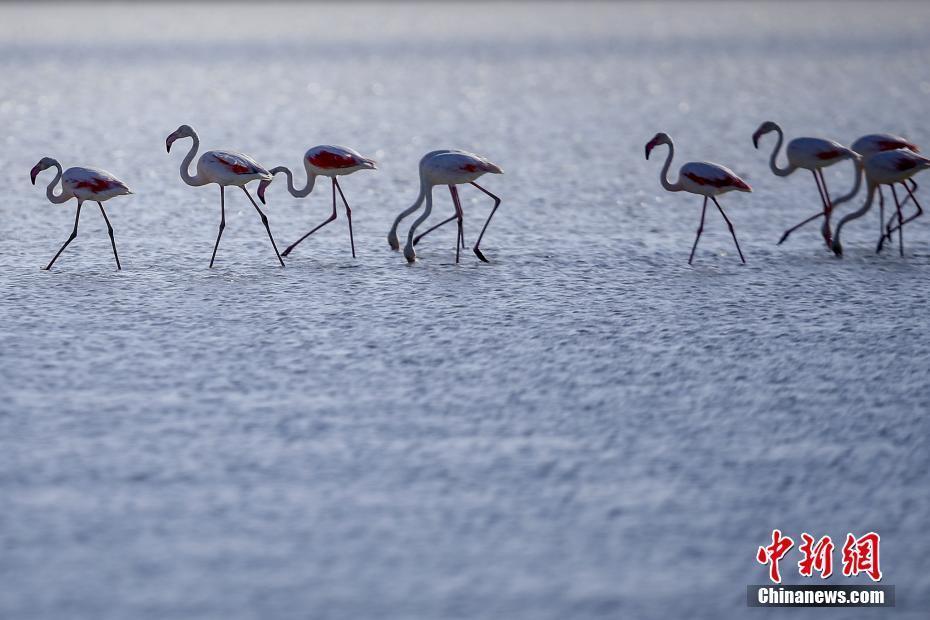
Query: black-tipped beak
[[261, 190], [648, 150], [168, 146], [34, 173]]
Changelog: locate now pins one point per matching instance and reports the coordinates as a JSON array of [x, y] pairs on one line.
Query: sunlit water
[[586, 427]]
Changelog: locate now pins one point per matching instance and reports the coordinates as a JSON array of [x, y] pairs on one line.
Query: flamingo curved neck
[[296, 193], [860, 172], [773, 160], [858, 213], [663, 176], [186, 164], [392, 235], [50, 190]]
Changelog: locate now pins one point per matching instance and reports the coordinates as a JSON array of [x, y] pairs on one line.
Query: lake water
[[586, 427]]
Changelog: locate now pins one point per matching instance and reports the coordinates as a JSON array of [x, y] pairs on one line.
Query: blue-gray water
[[584, 428]]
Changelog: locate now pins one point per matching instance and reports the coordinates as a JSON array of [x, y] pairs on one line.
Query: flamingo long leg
[[920, 210], [699, 231], [267, 227], [110, 232], [348, 214], [829, 210], [416, 239], [222, 223], [497, 203], [459, 216], [822, 213], [730, 226], [77, 216], [897, 205], [331, 218]]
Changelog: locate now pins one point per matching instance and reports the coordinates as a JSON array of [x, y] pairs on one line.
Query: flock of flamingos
[[883, 159]]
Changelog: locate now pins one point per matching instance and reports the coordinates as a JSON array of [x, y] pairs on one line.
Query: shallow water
[[586, 427]]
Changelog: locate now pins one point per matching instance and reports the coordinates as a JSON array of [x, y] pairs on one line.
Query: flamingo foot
[[784, 237], [480, 256]]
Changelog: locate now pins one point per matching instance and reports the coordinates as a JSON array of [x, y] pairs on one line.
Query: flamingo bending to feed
[[869, 145], [452, 168], [886, 168], [223, 168], [328, 161], [84, 184], [701, 178], [812, 154]]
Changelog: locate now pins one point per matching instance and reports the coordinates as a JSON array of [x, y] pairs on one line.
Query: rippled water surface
[[583, 428]]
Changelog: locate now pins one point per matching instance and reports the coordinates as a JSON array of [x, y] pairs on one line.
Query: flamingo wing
[[237, 163], [713, 175], [93, 180]]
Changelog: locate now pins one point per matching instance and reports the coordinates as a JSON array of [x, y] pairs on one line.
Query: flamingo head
[[184, 131], [659, 138], [763, 129], [45, 162]]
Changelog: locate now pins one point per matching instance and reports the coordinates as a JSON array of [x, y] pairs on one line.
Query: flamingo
[[702, 178], [452, 168], [869, 145], [812, 154], [885, 168], [223, 168], [83, 184], [329, 161]]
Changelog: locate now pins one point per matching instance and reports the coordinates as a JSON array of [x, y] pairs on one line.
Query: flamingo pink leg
[[730, 226], [110, 232], [823, 202], [222, 223], [348, 214], [331, 218], [267, 227], [900, 228], [828, 210], [77, 216], [416, 239], [699, 231], [459, 215], [497, 203], [912, 197]]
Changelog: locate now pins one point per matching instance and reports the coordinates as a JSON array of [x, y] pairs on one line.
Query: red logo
[[860, 555]]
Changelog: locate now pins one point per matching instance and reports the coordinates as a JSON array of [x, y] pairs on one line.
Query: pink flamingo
[[812, 154], [328, 161], [869, 145], [83, 184], [452, 168], [701, 178], [885, 168], [223, 168]]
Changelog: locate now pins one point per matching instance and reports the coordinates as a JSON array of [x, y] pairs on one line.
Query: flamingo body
[[224, 168], [816, 153], [323, 160], [83, 184], [886, 168], [230, 168], [701, 178], [709, 179], [451, 167], [330, 161], [873, 143]]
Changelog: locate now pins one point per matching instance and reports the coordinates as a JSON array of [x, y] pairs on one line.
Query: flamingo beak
[[34, 173], [755, 139], [649, 148], [169, 141], [261, 190]]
